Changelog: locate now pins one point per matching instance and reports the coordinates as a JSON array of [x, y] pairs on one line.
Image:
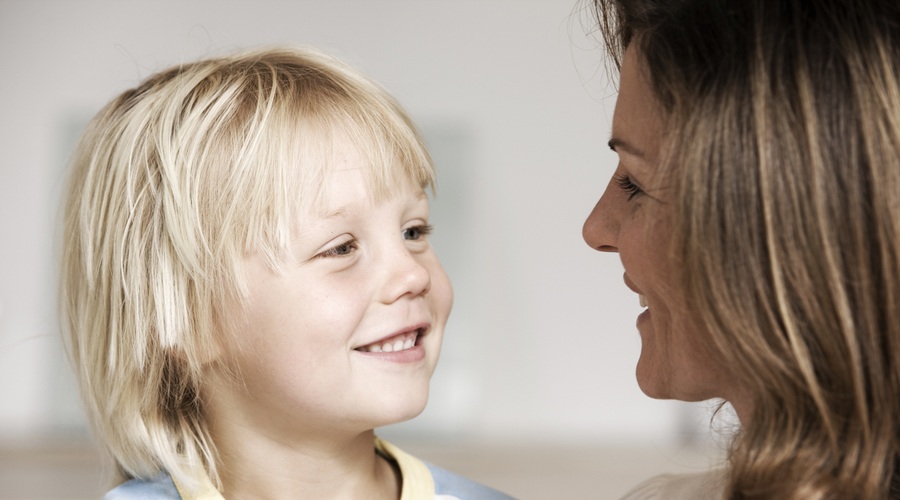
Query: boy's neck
[[254, 466]]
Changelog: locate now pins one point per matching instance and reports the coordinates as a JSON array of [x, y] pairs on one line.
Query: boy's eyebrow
[[334, 214], [342, 211]]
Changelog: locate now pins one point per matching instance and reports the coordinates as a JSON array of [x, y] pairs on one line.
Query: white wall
[[513, 97]]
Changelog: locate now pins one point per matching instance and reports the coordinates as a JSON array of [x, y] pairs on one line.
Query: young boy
[[248, 285]]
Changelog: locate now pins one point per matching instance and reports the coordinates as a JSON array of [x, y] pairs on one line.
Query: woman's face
[[634, 218]]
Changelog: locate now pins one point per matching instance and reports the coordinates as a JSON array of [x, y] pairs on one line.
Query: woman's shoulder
[[708, 485], [159, 487]]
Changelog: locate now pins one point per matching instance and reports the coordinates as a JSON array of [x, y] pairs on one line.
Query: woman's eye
[[625, 184], [417, 232], [340, 250]]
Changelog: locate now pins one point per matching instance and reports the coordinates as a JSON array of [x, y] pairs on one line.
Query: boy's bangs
[[389, 149], [389, 146], [295, 156]]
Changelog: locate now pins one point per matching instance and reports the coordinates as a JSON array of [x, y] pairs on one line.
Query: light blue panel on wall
[[454, 388]]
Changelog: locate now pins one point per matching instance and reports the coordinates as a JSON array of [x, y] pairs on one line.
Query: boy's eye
[[625, 184], [417, 232], [340, 250]]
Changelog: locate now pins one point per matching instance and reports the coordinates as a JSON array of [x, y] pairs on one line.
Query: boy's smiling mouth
[[400, 342], [396, 343]]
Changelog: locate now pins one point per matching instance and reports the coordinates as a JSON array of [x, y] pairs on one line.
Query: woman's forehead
[[637, 120]]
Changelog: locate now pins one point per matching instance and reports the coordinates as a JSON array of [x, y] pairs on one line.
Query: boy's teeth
[[642, 300], [394, 344]]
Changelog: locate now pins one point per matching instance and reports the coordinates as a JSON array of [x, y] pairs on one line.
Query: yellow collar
[[417, 481]]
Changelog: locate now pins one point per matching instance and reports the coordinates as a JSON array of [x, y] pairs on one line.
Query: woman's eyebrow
[[618, 145]]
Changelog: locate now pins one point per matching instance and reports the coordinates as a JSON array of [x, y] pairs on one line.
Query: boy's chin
[[401, 411]]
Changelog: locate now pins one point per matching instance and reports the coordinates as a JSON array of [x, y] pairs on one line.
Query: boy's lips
[[401, 341]]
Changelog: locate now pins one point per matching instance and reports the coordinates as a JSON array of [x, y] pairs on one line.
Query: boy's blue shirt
[[421, 481]]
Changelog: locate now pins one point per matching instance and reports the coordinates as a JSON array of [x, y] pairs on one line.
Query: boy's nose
[[406, 276]]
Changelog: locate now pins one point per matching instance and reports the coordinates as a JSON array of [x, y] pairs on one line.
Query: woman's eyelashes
[[627, 185]]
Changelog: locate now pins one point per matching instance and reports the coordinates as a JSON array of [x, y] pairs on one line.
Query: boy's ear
[[206, 350], [221, 339]]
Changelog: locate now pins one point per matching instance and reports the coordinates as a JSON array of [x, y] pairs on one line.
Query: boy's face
[[346, 339]]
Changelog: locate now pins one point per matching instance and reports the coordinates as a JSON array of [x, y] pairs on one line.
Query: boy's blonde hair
[[172, 184]]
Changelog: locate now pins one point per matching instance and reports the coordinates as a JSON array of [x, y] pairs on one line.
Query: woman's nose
[[601, 229]]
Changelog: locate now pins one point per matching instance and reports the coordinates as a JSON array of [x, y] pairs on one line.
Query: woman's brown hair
[[782, 123]]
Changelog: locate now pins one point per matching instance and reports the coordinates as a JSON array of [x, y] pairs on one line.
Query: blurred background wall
[[515, 103]]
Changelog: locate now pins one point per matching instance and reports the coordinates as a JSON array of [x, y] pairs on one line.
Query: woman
[[756, 211]]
